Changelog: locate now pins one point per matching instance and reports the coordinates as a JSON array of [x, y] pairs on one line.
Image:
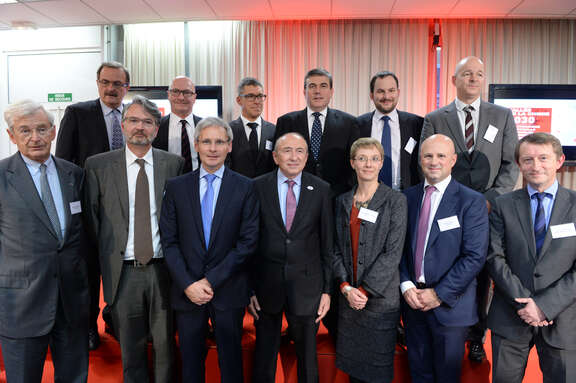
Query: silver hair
[[212, 121], [148, 106], [248, 81], [24, 108]]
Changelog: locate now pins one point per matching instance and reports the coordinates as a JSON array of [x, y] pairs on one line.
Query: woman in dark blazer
[[370, 230]]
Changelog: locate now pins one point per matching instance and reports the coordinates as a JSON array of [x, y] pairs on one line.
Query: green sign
[[59, 97]]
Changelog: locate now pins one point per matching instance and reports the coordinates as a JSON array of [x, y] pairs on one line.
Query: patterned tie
[[422, 230], [316, 138], [48, 202], [143, 247], [469, 123], [207, 203], [290, 204], [185, 149], [253, 139], [386, 140], [539, 221], [117, 139]]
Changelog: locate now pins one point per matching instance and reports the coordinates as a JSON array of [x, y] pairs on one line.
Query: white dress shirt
[[377, 128], [462, 117], [322, 118], [435, 200], [248, 130], [175, 137], [132, 169]]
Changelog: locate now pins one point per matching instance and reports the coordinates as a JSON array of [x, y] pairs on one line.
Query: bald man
[[445, 248], [176, 132]]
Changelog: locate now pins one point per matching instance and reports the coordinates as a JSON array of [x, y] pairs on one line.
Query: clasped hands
[[532, 314], [422, 299], [356, 299], [323, 307], [200, 292]]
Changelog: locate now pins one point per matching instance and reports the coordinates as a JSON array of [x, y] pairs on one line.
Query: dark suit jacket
[[491, 168], [453, 257], [233, 239], [518, 272], [35, 269], [82, 132], [107, 207], [340, 131], [240, 158], [381, 249], [161, 140], [410, 127], [292, 269]]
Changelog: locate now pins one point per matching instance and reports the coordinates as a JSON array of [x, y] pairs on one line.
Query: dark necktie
[[469, 130], [253, 139], [386, 140], [422, 231], [48, 202], [290, 204], [117, 140], [207, 207], [316, 138], [539, 221], [185, 149], [143, 248]]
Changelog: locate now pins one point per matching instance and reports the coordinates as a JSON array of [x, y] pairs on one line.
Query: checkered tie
[[117, 139]]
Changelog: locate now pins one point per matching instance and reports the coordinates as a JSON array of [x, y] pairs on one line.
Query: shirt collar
[[440, 186], [131, 157], [218, 173], [393, 115], [460, 105], [282, 178], [245, 121], [189, 118], [35, 164], [322, 112], [106, 109], [551, 190]]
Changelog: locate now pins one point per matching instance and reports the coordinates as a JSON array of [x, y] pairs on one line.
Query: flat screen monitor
[[208, 99], [541, 108]]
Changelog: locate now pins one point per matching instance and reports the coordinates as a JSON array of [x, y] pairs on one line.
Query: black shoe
[[93, 339], [476, 353]]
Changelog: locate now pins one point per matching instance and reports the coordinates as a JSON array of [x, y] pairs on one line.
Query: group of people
[[356, 222]]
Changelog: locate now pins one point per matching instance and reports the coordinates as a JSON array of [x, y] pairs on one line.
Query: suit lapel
[[67, 186], [195, 208], [160, 172], [121, 182], [414, 215], [302, 120], [455, 127], [561, 209], [306, 196], [483, 121], [445, 209], [100, 124], [524, 211], [272, 199]]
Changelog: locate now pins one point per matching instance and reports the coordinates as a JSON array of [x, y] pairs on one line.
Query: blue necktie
[[117, 140], [316, 138], [207, 202], [539, 221], [386, 140]]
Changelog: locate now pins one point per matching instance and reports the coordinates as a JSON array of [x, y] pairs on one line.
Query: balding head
[[468, 78], [182, 95], [437, 158]]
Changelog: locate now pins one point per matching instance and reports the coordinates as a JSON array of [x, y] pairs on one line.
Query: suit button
[[361, 243], [360, 262], [288, 241], [537, 275]]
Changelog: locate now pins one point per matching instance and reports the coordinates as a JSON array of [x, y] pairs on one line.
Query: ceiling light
[[23, 25], [8, 1]]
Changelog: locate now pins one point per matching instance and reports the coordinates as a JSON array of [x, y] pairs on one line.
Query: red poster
[[532, 120]]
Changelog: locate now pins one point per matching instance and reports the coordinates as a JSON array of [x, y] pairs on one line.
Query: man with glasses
[[124, 191], [176, 132], [251, 153], [89, 128], [209, 226]]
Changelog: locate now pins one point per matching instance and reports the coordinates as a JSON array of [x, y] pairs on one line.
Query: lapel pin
[[310, 187]]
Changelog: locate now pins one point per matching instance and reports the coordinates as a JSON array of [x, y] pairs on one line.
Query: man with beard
[[399, 132], [89, 128], [124, 191]]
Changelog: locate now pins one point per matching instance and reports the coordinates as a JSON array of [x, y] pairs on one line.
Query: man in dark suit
[[251, 153], [124, 191], [485, 137], [399, 132], [89, 128], [292, 267], [176, 131], [533, 264], [209, 228], [445, 248], [329, 133], [44, 289]]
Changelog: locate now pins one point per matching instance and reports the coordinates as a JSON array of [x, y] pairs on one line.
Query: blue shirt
[[215, 185], [53, 181], [283, 191], [109, 119], [548, 201]]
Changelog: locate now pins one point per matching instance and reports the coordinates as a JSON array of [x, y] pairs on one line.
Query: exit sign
[[59, 97]]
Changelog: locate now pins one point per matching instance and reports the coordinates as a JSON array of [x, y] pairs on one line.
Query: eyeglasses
[[177, 92], [366, 159], [28, 132], [115, 84], [146, 122], [218, 143], [252, 97]]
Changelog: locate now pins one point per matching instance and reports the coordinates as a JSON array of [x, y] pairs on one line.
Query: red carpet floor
[[106, 366]]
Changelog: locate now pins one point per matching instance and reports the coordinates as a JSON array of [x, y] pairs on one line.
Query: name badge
[[491, 133], [368, 215], [75, 207], [410, 145], [563, 231], [448, 223], [269, 145]]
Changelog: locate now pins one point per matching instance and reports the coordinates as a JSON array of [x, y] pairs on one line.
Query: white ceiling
[[59, 13]]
